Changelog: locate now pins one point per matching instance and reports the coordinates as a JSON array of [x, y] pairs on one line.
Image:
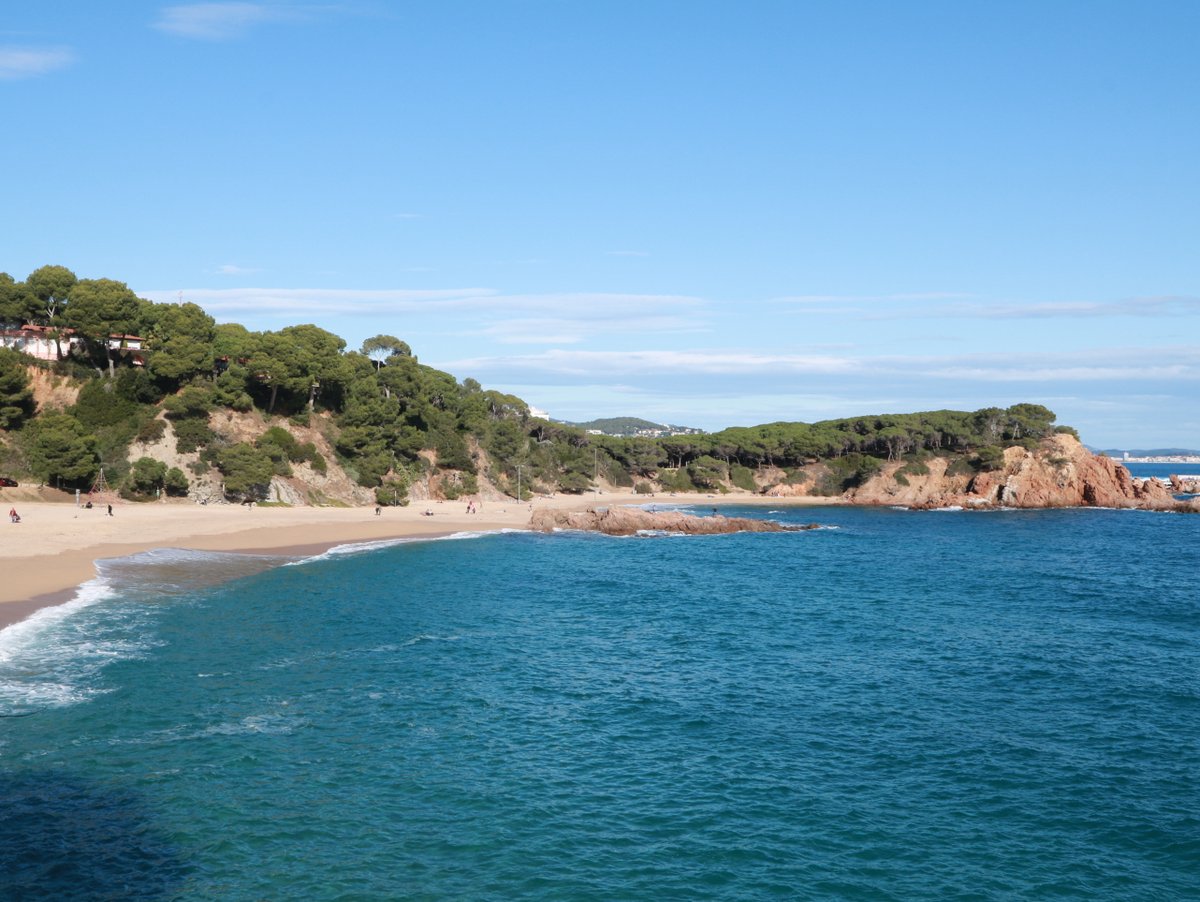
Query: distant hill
[[629, 426], [1150, 452]]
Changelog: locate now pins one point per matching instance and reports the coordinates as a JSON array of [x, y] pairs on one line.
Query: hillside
[[632, 426], [163, 402]]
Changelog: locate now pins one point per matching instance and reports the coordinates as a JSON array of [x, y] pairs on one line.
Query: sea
[[898, 705]]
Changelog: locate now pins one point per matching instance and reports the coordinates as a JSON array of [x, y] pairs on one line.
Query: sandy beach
[[55, 546]]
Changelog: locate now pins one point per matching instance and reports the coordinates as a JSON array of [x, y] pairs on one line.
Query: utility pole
[[518, 483]]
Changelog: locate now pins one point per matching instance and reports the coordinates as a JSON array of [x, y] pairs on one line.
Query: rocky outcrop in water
[[628, 521], [1188, 485]]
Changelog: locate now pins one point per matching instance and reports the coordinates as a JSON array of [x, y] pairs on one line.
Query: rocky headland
[[1060, 472]]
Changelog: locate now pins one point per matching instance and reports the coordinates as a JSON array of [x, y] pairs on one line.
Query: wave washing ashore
[[899, 705], [54, 547]]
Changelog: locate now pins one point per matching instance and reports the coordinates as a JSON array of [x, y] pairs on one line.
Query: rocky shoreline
[[629, 521], [1059, 473]]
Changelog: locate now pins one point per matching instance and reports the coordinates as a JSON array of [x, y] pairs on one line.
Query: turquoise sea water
[[907, 705]]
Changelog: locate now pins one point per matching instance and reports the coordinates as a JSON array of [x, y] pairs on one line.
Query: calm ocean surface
[[934, 705]]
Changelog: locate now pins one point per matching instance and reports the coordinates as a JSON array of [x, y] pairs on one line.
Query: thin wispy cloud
[[1136, 364], [623, 364], [576, 307], [230, 269], [406, 216], [1122, 365], [221, 21], [1166, 305], [1142, 307], [309, 301], [869, 298], [565, 330], [30, 62]]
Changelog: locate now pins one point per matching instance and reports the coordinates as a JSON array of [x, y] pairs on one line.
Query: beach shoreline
[[54, 549]]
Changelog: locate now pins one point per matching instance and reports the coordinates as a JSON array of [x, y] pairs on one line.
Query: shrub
[[192, 402], [643, 488], [675, 480], [846, 473], [147, 475], [246, 469], [742, 477], [392, 493], [175, 483], [151, 431], [960, 466], [192, 433], [989, 457]]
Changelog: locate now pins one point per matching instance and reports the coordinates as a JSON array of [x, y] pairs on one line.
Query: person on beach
[[378, 510], [14, 516], [110, 510]]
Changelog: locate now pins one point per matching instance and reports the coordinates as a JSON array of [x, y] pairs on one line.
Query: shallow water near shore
[[910, 705]]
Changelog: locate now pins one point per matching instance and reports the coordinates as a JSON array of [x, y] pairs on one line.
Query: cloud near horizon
[[220, 21], [595, 307], [950, 305], [28, 62], [1141, 364]]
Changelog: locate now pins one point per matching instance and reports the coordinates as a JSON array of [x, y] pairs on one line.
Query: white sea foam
[[46, 659], [363, 547]]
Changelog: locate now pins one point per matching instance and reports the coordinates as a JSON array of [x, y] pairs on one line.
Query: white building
[[39, 341]]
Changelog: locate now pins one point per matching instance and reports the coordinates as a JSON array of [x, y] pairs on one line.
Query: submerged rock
[[628, 521]]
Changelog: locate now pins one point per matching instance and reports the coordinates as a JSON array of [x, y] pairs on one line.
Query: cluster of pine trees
[[389, 418]]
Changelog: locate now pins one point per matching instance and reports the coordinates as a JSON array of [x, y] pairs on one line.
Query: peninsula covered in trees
[[164, 400]]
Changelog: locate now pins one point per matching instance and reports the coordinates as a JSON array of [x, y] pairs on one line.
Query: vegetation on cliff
[[387, 421]]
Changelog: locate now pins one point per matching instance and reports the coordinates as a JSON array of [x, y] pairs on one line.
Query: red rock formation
[[1059, 473]]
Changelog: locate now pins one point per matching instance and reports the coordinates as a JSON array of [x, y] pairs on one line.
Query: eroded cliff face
[[1059, 473]]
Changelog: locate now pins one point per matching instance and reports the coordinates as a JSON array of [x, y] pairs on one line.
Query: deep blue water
[[1160, 471], [931, 705]]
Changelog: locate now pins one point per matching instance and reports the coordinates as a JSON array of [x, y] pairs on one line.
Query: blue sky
[[704, 213]]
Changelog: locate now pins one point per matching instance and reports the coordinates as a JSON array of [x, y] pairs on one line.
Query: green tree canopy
[[17, 305], [246, 469], [59, 448], [16, 396], [182, 339], [380, 347], [50, 286], [99, 308]]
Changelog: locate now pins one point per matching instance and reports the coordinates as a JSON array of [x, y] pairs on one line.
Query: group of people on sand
[[472, 507], [16, 518]]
